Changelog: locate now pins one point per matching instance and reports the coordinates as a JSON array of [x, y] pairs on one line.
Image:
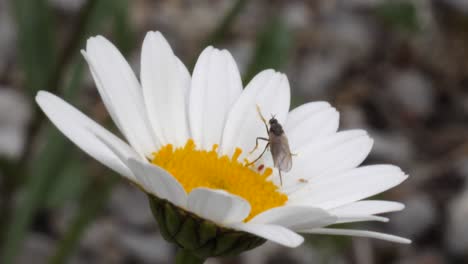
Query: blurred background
[[398, 69]]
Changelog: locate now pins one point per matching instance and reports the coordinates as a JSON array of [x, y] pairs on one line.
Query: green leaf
[[272, 50], [124, 35], [69, 185], [42, 172], [400, 15], [95, 200], [219, 33], [47, 166], [36, 42], [51, 159]]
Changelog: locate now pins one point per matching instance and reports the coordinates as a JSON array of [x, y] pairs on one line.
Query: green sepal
[[187, 235], [207, 231], [199, 237], [226, 242], [173, 220], [158, 213]]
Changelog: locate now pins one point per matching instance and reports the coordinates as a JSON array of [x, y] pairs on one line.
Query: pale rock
[[352, 117], [461, 166], [413, 91], [270, 253], [347, 36], [318, 73], [456, 236], [37, 247], [14, 114], [419, 215], [100, 234], [131, 206], [147, 248], [242, 52], [394, 147], [296, 15]]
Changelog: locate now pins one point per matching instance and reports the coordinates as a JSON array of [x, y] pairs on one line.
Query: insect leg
[[262, 117], [256, 143], [281, 177], [263, 152]]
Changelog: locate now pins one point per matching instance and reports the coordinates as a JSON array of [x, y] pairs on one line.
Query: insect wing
[[280, 152]]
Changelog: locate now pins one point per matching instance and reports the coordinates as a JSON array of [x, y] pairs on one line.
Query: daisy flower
[[186, 143]]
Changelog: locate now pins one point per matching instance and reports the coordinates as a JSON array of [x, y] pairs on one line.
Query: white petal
[[270, 91], [103, 93], [324, 157], [121, 153], [348, 187], [309, 122], [275, 233], [368, 207], [295, 217], [165, 82], [121, 92], [356, 218], [82, 131], [216, 85], [359, 233], [364, 211], [159, 182], [218, 206]]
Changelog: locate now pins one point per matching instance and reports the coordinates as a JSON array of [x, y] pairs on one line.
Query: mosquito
[[278, 144]]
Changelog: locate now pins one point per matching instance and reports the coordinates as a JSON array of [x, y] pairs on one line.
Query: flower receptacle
[[198, 236]]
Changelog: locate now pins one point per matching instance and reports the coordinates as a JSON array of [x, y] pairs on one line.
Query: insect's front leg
[[263, 152], [281, 177], [256, 143]]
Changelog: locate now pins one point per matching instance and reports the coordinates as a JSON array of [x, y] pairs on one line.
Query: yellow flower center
[[202, 168]]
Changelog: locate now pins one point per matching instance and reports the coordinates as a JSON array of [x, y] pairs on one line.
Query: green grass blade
[[94, 200], [49, 163], [36, 42], [399, 15], [220, 31], [272, 49]]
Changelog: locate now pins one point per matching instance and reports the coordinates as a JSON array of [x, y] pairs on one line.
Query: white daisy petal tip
[[358, 233], [209, 105], [350, 186], [155, 33], [155, 37], [368, 207], [92, 42], [83, 52], [84, 132], [165, 82]]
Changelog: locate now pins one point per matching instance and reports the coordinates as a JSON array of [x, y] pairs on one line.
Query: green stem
[[186, 257]]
